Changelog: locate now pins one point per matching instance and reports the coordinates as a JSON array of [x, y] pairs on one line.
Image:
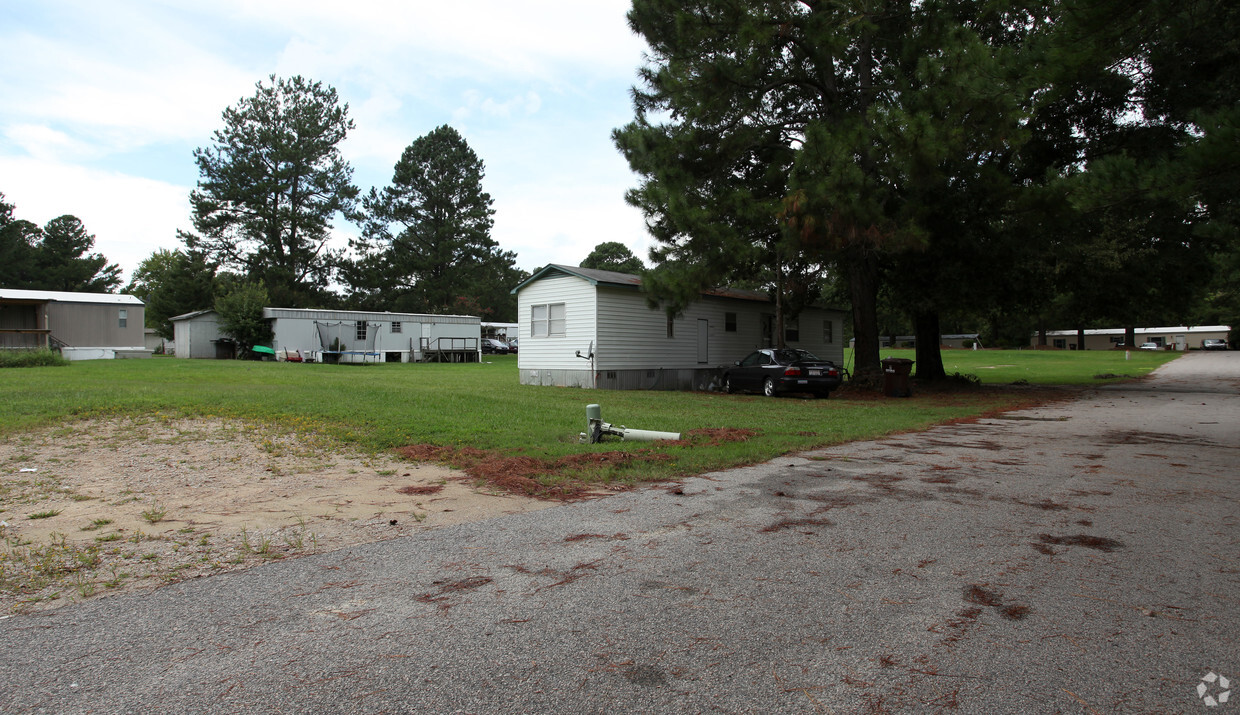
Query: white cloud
[[123, 90], [563, 222], [131, 217]]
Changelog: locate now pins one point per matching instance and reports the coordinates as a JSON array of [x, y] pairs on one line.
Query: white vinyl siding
[[574, 321], [631, 336]]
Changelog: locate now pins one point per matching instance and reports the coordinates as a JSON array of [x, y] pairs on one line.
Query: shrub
[[32, 358]]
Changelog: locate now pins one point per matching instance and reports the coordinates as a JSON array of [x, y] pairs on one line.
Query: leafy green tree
[[172, 283], [1151, 179], [241, 315], [613, 256], [427, 237], [687, 186], [18, 242], [270, 185], [62, 262], [860, 107]]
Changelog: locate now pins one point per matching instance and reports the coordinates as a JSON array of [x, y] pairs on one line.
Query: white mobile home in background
[[587, 328]]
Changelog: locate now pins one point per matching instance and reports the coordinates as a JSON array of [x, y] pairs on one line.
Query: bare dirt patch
[[108, 506]]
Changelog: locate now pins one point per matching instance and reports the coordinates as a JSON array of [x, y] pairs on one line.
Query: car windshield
[[788, 355]]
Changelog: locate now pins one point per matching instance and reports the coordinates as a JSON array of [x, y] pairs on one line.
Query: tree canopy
[[613, 256], [55, 257], [965, 159], [241, 314], [794, 133], [270, 186], [172, 283], [426, 245]]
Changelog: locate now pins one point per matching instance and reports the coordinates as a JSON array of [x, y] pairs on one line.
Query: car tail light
[[791, 371], [833, 372]]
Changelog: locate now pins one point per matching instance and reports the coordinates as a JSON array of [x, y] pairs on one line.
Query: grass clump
[[155, 514], [32, 358]]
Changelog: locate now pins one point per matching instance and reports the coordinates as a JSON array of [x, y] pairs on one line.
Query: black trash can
[[895, 376]]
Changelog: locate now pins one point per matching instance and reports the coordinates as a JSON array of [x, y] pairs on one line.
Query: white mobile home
[[1180, 337], [588, 328], [351, 336]]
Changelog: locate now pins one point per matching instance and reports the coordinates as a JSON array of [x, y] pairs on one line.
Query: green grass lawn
[[1044, 367], [462, 408]]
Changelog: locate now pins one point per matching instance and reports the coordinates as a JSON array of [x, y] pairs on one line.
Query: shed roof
[[56, 296], [187, 316]]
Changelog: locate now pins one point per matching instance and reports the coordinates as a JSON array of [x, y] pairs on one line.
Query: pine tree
[[427, 237], [271, 184], [62, 262]]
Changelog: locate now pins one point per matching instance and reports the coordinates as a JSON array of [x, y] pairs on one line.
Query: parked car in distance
[[1150, 346], [772, 371], [491, 346], [1213, 344], [512, 345]]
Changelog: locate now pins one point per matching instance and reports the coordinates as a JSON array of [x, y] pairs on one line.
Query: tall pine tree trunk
[[863, 290], [927, 333], [1130, 338], [1080, 338]]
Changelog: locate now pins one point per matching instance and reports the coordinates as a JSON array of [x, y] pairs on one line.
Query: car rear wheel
[[768, 387]]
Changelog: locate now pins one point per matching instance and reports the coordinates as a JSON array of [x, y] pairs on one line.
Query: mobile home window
[[547, 320], [729, 322], [792, 330], [671, 327], [361, 330], [395, 326], [124, 318], [828, 332]]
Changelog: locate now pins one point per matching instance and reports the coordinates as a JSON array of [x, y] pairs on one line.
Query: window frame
[[548, 320]]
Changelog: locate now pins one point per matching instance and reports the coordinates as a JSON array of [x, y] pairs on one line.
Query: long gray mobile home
[[350, 336], [587, 328], [83, 326]]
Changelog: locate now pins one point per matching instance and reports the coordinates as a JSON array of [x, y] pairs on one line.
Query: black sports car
[[773, 371]]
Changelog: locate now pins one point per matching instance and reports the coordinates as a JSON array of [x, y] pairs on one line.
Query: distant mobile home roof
[[1143, 331], [315, 314], [54, 296], [628, 280]]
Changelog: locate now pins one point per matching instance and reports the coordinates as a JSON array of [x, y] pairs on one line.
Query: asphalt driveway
[[1081, 557]]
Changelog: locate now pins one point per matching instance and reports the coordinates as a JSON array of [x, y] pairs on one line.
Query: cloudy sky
[[104, 103]]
